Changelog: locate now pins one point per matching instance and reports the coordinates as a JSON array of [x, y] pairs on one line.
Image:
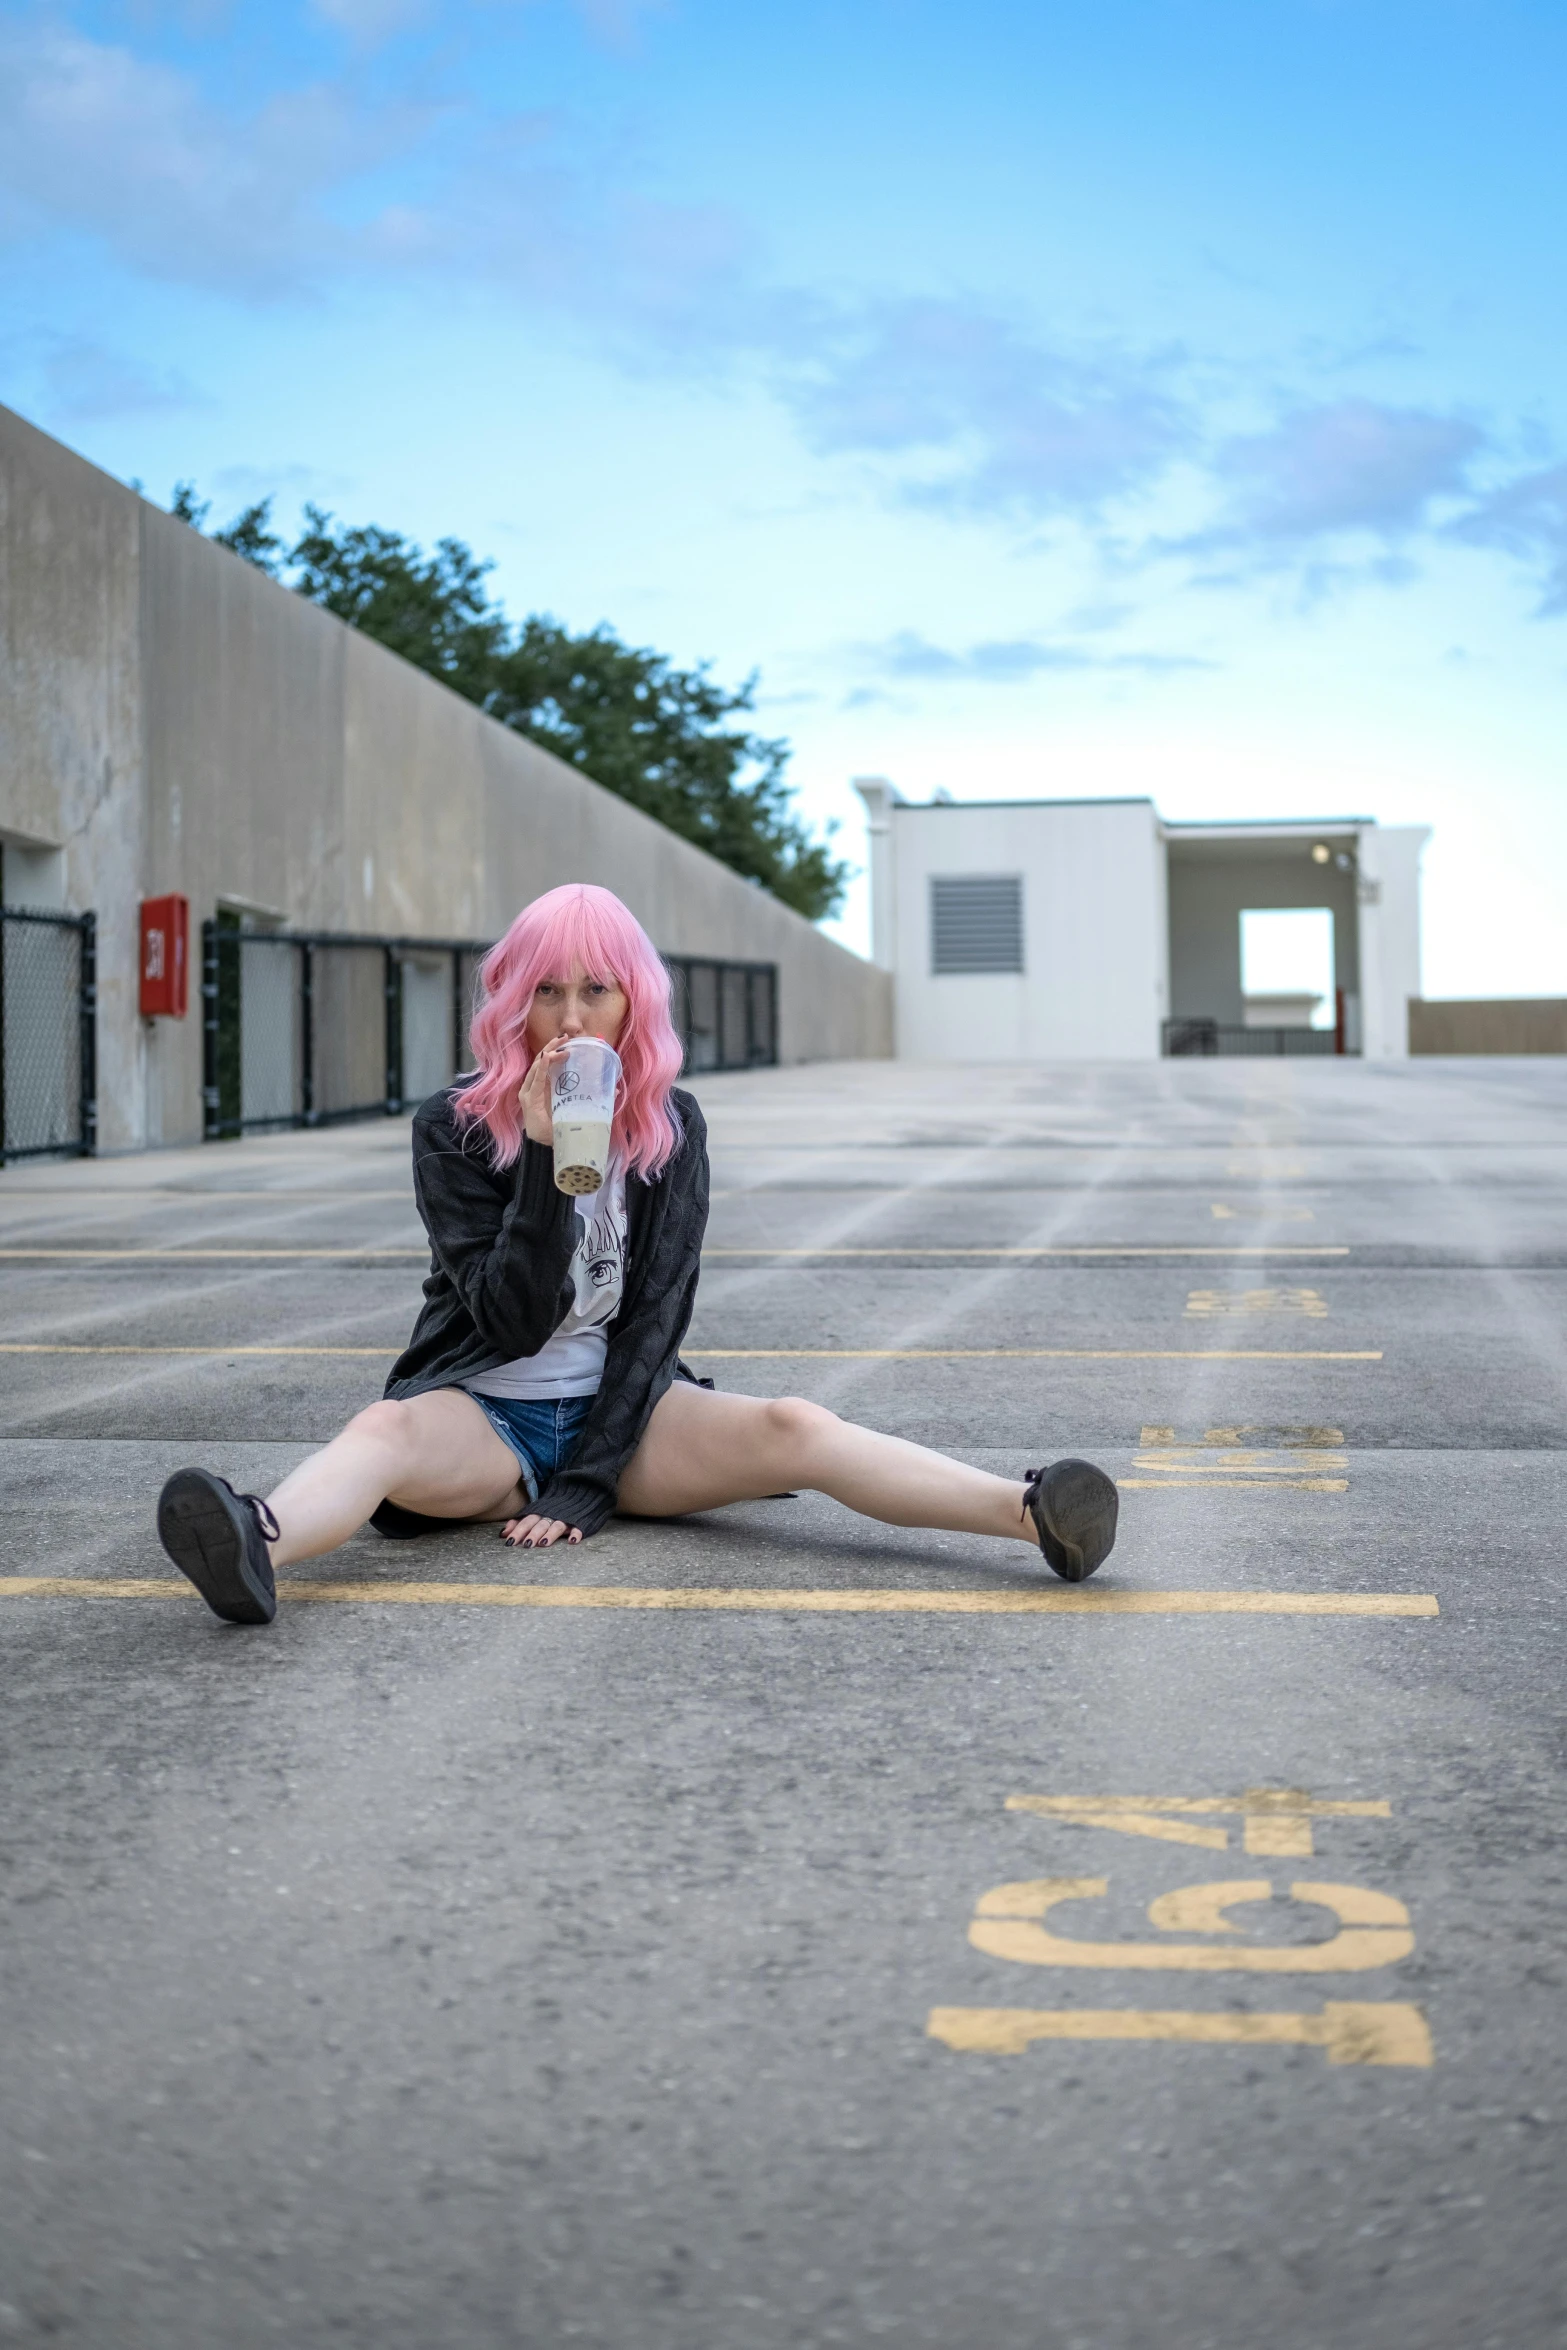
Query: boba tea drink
[[582, 1106]]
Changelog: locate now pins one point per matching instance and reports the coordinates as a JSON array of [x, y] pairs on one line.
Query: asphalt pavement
[[771, 1929]]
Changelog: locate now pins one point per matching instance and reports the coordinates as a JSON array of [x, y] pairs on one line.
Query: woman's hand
[[537, 1533], [534, 1095]]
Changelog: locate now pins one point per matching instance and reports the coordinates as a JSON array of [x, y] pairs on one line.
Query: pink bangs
[[578, 923]]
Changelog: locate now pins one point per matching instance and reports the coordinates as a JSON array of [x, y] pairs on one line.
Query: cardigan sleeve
[[644, 1345], [504, 1240]]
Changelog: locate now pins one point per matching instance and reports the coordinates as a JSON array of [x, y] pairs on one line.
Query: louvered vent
[[976, 922]]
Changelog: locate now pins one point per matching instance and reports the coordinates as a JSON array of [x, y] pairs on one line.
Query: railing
[[1183, 1038], [316, 1027], [726, 1014], [48, 1034], [313, 1028]]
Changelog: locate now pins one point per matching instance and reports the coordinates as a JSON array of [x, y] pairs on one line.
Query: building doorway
[[1287, 967]]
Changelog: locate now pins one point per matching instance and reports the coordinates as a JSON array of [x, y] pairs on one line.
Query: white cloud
[[96, 140], [1351, 466], [85, 380], [951, 405], [614, 23], [1526, 518], [1006, 661], [999, 422], [369, 20]]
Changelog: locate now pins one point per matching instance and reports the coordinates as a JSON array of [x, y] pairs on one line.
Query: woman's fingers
[[534, 1093], [537, 1533]]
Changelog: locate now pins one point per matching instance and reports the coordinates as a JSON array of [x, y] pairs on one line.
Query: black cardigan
[[501, 1244]]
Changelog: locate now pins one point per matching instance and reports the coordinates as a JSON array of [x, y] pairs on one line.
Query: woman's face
[[575, 1005]]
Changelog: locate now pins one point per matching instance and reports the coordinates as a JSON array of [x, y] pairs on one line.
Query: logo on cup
[[569, 1081]]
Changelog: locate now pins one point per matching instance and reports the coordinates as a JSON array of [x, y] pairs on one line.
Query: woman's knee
[[388, 1423], [795, 1424]]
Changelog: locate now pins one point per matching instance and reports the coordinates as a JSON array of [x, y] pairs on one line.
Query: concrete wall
[[1523, 1025], [1095, 949], [1389, 935], [174, 720]]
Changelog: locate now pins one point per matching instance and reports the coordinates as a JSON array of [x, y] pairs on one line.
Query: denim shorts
[[543, 1431]]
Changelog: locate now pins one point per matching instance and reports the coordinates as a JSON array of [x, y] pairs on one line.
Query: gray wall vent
[[976, 922]]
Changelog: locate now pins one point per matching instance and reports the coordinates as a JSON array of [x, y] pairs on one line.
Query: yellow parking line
[[792, 1354], [1036, 1354], [371, 1252], [417, 1256], [915, 1248], [1239, 1482], [198, 1256], [65, 1347], [1352, 2032], [1068, 1601]]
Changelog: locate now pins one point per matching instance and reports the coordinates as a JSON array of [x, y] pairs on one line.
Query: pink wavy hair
[[578, 923]]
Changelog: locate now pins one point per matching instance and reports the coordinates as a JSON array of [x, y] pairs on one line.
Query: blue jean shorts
[[543, 1431]]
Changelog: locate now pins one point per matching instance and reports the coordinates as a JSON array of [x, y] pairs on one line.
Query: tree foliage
[[664, 738]]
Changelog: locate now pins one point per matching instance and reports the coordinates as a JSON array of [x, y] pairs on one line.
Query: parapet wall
[[175, 720], [1499, 1025]]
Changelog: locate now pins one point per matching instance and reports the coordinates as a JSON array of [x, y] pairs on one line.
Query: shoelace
[[266, 1523]]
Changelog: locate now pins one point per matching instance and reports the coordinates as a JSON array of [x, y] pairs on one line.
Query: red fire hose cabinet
[[165, 957]]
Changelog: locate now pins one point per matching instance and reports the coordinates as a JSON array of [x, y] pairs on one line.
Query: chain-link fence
[[48, 1001], [309, 1028], [306, 1028], [725, 1014]]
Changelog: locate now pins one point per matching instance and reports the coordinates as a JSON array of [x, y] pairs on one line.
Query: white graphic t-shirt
[[572, 1362]]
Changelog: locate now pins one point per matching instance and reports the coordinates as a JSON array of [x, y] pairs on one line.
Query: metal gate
[[1203, 1039], [312, 1028], [48, 1030], [725, 1014]]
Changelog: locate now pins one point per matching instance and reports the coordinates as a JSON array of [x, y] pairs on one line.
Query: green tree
[[659, 736], [249, 535]]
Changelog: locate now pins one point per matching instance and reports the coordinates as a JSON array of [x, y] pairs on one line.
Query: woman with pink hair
[[542, 1388]]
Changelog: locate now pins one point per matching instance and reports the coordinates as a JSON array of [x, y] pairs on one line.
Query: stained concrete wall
[[171, 719]]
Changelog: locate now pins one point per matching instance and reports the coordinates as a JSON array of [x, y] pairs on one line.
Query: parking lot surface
[[774, 1929]]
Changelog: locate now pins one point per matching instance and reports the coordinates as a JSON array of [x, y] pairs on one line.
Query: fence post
[[88, 1046], [394, 1032], [307, 1037], [211, 1098]]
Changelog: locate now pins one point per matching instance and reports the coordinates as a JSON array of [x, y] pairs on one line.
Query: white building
[[1076, 929]]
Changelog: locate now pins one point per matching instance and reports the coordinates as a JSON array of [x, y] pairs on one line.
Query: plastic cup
[[582, 1109]]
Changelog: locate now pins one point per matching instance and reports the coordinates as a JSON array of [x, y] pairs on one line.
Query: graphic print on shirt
[[571, 1360], [598, 1268]]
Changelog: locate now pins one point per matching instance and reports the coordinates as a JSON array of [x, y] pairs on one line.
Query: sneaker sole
[[1075, 1515], [196, 1527]]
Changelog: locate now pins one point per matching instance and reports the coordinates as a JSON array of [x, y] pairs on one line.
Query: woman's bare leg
[[436, 1453], [702, 1450]]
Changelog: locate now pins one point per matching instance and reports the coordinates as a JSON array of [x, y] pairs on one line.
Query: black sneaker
[[219, 1539], [1074, 1508]]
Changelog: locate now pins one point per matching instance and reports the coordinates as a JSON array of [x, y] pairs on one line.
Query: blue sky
[[1161, 396]]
